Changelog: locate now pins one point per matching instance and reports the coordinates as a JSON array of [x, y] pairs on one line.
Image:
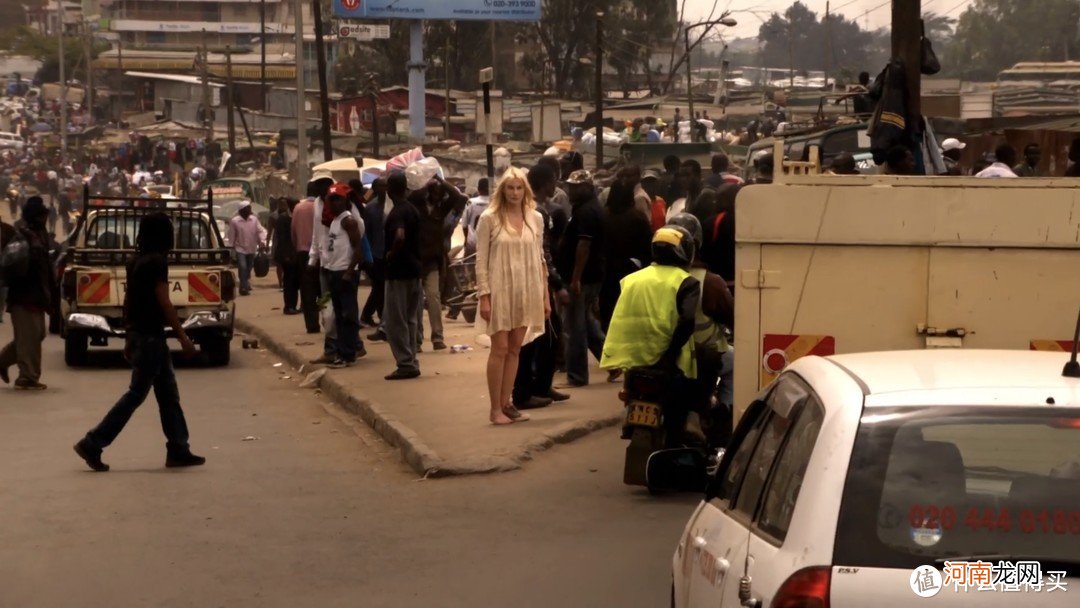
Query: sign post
[[417, 11], [486, 76]]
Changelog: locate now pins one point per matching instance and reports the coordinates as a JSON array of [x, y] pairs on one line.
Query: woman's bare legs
[[496, 365], [513, 352]]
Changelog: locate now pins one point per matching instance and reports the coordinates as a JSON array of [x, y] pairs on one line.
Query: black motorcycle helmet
[[673, 246], [692, 225]]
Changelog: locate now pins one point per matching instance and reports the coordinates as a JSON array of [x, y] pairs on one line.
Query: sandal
[[512, 413]]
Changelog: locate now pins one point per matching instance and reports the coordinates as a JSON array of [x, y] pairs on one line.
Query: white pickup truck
[[93, 275]]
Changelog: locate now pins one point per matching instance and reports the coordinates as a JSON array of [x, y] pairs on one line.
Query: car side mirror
[[677, 470]]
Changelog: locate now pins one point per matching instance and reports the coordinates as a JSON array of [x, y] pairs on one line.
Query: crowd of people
[[551, 246]]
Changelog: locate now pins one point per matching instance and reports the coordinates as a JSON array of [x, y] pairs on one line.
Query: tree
[[25, 40], [992, 35], [800, 41]]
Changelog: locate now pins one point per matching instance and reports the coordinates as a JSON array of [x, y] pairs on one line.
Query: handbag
[[929, 64], [262, 264]]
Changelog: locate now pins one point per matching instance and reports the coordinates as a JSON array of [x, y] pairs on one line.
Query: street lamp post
[[599, 72], [726, 21]]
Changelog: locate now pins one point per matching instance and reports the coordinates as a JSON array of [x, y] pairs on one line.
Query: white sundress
[[510, 267]]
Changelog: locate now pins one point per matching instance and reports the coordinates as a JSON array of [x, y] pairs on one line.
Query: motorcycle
[[658, 418]]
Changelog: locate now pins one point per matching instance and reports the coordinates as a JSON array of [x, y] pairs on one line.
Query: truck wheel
[[217, 351], [76, 349]]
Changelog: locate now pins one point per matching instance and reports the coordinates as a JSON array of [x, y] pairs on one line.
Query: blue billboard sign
[[476, 10]]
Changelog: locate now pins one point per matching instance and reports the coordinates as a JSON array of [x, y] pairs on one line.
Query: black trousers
[[309, 291], [377, 298], [536, 364], [290, 282]]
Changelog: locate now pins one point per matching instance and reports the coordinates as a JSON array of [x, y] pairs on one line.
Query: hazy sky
[[750, 13]]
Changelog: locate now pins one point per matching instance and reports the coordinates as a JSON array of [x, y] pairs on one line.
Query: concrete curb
[[411, 447]]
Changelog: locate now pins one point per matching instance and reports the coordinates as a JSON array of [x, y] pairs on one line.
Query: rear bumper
[[199, 322]]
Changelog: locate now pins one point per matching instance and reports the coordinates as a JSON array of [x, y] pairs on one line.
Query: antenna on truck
[[1072, 368]]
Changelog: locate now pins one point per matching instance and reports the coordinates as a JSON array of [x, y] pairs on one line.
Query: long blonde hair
[[498, 205]]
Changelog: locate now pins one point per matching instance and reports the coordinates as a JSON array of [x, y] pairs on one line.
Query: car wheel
[[76, 349], [217, 351]]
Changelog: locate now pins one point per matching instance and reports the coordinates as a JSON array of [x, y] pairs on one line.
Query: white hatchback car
[[854, 478]]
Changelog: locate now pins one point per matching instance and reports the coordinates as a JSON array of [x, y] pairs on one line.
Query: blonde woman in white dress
[[511, 280]]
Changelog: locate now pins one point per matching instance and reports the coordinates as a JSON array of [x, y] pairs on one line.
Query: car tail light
[[807, 588], [228, 286]]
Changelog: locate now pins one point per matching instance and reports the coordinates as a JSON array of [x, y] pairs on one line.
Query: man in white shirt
[[246, 236], [340, 254], [1004, 160], [320, 233]]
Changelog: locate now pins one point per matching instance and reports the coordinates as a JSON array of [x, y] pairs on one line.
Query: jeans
[[244, 262], [536, 363], [583, 334], [343, 298], [3, 300], [433, 302], [377, 298], [402, 311], [151, 367]]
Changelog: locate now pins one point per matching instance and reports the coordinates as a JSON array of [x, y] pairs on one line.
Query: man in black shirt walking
[[147, 310]]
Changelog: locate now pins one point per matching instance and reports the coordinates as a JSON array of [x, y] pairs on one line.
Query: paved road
[[314, 512]]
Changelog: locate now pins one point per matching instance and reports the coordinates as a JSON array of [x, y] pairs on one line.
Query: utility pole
[[229, 100], [446, 100], [63, 80], [599, 89], [417, 93], [487, 75], [907, 47], [204, 67], [791, 55], [689, 87], [262, 59], [118, 99], [828, 45], [324, 93], [88, 52], [373, 87], [301, 98]]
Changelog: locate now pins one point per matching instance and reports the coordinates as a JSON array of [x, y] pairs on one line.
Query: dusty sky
[[750, 13]]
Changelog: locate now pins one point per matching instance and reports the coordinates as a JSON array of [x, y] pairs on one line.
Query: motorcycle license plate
[[643, 414]]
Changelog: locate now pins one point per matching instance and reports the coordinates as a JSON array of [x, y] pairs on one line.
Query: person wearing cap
[[324, 217], [30, 295], [341, 254], [247, 237], [714, 315], [654, 319], [951, 151], [580, 260]]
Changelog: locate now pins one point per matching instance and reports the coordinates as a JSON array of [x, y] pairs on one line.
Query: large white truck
[[837, 264]]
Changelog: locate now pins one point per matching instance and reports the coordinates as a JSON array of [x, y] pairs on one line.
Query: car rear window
[[111, 231], [945, 482]]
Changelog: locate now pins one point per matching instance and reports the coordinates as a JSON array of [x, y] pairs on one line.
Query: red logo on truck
[[779, 351]]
